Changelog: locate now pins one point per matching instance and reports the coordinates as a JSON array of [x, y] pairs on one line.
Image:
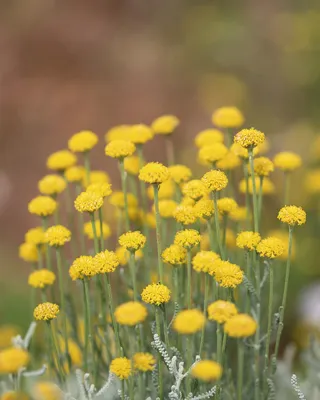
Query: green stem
[[189, 343], [88, 323], [55, 352], [87, 167], [224, 344], [81, 225], [70, 216], [224, 231], [95, 236], [48, 248], [286, 188], [205, 305], [169, 150], [248, 274], [219, 343], [216, 220], [211, 236], [111, 306], [246, 177], [86, 334], [132, 262], [269, 329], [189, 287], [100, 212], [254, 192], [125, 194], [158, 232], [260, 197], [257, 334], [122, 390], [165, 327], [240, 369], [160, 374]]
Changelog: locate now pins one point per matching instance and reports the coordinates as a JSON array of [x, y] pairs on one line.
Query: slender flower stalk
[[254, 192], [100, 212], [160, 370], [240, 368], [248, 207], [132, 262], [158, 232], [89, 335], [205, 305], [86, 161], [125, 194], [169, 149], [269, 327], [216, 220], [111, 307], [95, 236], [260, 197], [189, 282], [81, 224], [55, 353], [287, 176]]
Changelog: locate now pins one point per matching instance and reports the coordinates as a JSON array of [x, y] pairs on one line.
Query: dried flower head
[[229, 162], [144, 362], [208, 137], [249, 138], [228, 275], [82, 142], [75, 174], [88, 230], [61, 160], [226, 205], [104, 262], [83, 267], [140, 134], [248, 240], [241, 325], [174, 255], [132, 165], [205, 261], [154, 172], [227, 117], [270, 247], [156, 294], [204, 208], [130, 313], [88, 202], [46, 311], [215, 180], [132, 241], [189, 321], [57, 235], [35, 236], [207, 371], [165, 125], [263, 166], [185, 215], [120, 149], [292, 215], [13, 359], [121, 367], [42, 206], [195, 189], [187, 238], [221, 311], [180, 173], [41, 278], [287, 161]]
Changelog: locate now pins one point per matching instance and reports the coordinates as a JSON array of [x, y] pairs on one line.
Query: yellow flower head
[[242, 152], [227, 117], [11, 395], [208, 137], [46, 311], [188, 322], [270, 247], [120, 149], [121, 367], [61, 160], [195, 189], [230, 238], [229, 162], [156, 294], [35, 236], [102, 189], [13, 359], [210, 154], [204, 208], [187, 238], [287, 161], [83, 267], [221, 311], [140, 134], [248, 240], [187, 201], [75, 174], [117, 200], [292, 215], [106, 261], [249, 138], [132, 165], [144, 362], [166, 190], [284, 237], [43, 390], [130, 313], [88, 202], [239, 214], [174, 255], [207, 371], [185, 215], [119, 132], [41, 278], [132, 241], [123, 255], [82, 142], [226, 205], [180, 173], [42, 206], [96, 176], [150, 219], [52, 185], [167, 208], [312, 181], [165, 125], [205, 261], [267, 186], [263, 166], [57, 235], [88, 230], [7, 332], [28, 252], [228, 275], [241, 325], [154, 172], [215, 180]]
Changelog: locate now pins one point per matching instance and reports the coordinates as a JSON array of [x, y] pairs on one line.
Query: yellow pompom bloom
[[7, 332], [35, 236], [88, 230], [249, 138], [187, 201], [156, 294], [230, 238], [61, 160], [117, 200], [120, 149], [221, 311], [242, 152], [102, 189], [83, 267], [28, 252], [227, 117], [292, 215], [11, 395], [188, 322], [41, 278], [239, 214], [195, 189], [215, 180], [13, 359], [144, 362], [132, 165], [287, 161], [119, 132], [96, 176], [104, 262], [47, 391], [228, 275], [241, 325], [204, 208], [42, 206], [88, 202], [130, 313], [140, 134], [226, 205], [46, 311], [185, 215], [187, 238], [52, 185], [209, 155], [208, 137], [180, 173], [74, 351], [270, 247], [132, 241], [121, 367], [284, 237], [167, 208], [248, 240], [207, 371], [174, 255], [205, 261], [229, 162], [267, 186], [82, 141], [165, 125], [166, 190], [57, 235], [75, 174], [123, 255], [150, 219], [154, 173], [263, 166], [312, 181]]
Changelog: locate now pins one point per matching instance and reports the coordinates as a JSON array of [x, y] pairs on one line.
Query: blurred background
[[69, 66]]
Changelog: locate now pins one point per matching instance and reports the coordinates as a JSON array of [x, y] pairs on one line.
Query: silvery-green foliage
[[296, 387]]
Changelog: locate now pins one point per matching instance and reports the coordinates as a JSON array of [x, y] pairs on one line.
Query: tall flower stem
[[269, 328], [254, 192], [55, 353], [132, 262], [86, 161], [189, 286], [81, 224], [248, 274], [158, 232], [205, 305], [111, 307], [169, 150], [260, 197], [286, 188], [48, 248], [100, 212], [70, 216], [88, 331], [211, 236], [95, 236], [240, 368], [219, 343], [160, 374], [125, 194], [257, 334], [189, 343], [216, 220], [246, 178]]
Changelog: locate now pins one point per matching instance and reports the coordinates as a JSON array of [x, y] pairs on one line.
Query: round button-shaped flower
[[188, 322], [268, 187], [185, 215], [57, 235], [207, 371], [167, 208], [61, 160], [121, 367], [226, 205], [221, 311], [228, 275], [205, 261], [75, 174], [132, 165], [120, 149], [227, 117], [166, 190], [209, 155], [187, 238], [13, 359], [154, 173], [83, 267], [88, 202], [117, 200], [240, 326], [270, 247], [119, 132], [215, 180], [35, 236], [180, 173], [130, 313], [165, 125], [144, 362], [102, 189], [104, 262], [41, 278], [28, 252], [287, 161], [140, 134], [132, 241], [82, 142], [248, 240], [46, 311], [174, 255], [249, 138], [208, 137], [156, 294], [204, 208], [229, 162], [292, 215], [195, 189], [88, 230], [42, 206], [239, 214], [263, 166]]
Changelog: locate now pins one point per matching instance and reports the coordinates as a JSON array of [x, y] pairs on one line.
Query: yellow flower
[[11, 395], [312, 181], [123, 255], [82, 267], [13, 359], [194, 189], [150, 219], [88, 202], [57, 235], [88, 230], [204, 261], [207, 371], [292, 215], [140, 134], [52, 185], [119, 132], [185, 215], [105, 262], [61, 160], [267, 186], [263, 166], [187, 201], [121, 367], [154, 172], [239, 214], [249, 138], [215, 180], [242, 152], [227, 117], [7, 332], [204, 208], [230, 238], [166, 190], [287, 161], [132, 241], [284, 237], [209, 155], [156, 294], [208, 137], [144, 362], [189, 321], [28, 252], [75, 173], [102, 189], [132, 165], [241, 325], [174, 255], [82, 142], [41, 278], [165, 125], [226, 205], [221, 311], [35, 236], [187, 238], [46, 311], [47, 391], [120, 149], [167, 208], [74, 351], [117, 200], [228, 275], [130, 313], [180, 173], [270, 247], [248, 240], [96, 176], [42, 206], [229, 162]]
